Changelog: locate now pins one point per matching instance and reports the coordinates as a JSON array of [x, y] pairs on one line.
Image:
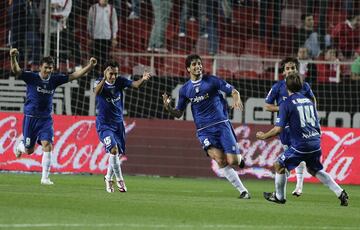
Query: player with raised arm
[[300, 114], [38, 123], [214, 130], [278, 94], [108, 89]]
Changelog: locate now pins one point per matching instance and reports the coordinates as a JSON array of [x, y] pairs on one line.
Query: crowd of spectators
[[313, 39]]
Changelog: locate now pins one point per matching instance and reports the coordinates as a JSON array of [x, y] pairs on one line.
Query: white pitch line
[[171, 226]]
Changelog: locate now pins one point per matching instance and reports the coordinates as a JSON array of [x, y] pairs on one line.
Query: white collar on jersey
[[108, 83], [197, 81]]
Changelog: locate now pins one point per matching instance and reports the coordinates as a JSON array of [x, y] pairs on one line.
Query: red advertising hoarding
[[168, 148]]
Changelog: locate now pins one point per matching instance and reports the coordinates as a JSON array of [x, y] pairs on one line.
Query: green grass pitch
[[80, 202]]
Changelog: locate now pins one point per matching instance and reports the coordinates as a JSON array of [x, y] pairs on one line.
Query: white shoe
[[182, 34], [297, 192], [121, 186], [46, 181], [109, 185], [17, 152], [161, 50]]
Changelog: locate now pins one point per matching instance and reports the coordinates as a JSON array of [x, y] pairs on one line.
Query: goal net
[[241, 41]]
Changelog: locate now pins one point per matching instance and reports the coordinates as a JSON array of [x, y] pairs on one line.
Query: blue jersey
[[109, 102], [40, 92], [279, 93], [300, 114], [208, 105]]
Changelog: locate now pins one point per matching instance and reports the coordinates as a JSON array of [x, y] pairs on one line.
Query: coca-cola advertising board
[[168, 148]]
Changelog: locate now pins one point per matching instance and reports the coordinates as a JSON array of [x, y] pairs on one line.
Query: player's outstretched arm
[[15, 68], [77, 74], [271, 133], [237, 103], [139, 83], [271, 107], [174, 112]]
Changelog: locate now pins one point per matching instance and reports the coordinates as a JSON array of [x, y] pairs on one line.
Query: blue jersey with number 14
[[300, 114]]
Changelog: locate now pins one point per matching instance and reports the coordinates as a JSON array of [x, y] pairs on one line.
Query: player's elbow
[[268, 107]]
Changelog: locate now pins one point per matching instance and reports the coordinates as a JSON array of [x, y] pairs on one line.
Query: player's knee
[[46, 146], [232, 161], [279, 168], [114, 150]]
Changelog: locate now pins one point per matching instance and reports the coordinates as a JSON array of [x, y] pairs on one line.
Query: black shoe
[[270, 196], [344, 198], [245, 195]]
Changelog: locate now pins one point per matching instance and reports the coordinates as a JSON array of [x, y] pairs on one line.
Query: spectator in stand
[[266, 7], [326, 73], [355, 66], [60, 11], [188, 13], [162, 9], [308, 37], [307, 70], [345, 35], [102, 27], [135, 9], [24, 30]]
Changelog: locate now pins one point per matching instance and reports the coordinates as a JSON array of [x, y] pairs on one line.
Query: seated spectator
[[326, 73], [308, 37], [355, 66], [345, 35], [307, 70]]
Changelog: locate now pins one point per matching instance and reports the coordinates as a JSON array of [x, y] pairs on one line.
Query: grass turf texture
[[80, 202]]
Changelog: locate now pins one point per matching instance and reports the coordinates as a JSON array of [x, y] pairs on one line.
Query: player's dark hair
[[48, 60], [287, 60], [191, 58], [294, 82], [112, 64]]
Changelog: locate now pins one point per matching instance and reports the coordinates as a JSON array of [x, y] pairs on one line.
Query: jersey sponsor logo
[[113, 100], [310, 135], [198, 99], [41, 90]]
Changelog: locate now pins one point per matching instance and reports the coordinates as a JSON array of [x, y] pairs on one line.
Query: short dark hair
[[287, 60], [294, 82], [191, 58], [48, 60], [112, 64]]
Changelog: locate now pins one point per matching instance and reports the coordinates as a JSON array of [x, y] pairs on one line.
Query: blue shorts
[[36, 130], [285, 136], [112, 135], [220, 136], [290, 159]]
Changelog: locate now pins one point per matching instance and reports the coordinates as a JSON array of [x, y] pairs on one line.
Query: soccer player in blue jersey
[[108, 89], [214, 130], [38, 123], [300, 114], [278, 94]]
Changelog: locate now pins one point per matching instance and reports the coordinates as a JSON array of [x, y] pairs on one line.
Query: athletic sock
[[232, 176], [115, 164], [110, 172], [327, 180], [46, 163], [280, 186], [300, 175]]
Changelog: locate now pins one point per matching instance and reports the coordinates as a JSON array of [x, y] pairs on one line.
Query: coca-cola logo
[[76, 147]]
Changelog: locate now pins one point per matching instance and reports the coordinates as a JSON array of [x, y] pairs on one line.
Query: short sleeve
[[27, 76], [282, 119], [223, 85], [60, 79], [183, 101], [308, 92], [123, 82], [272, 94]]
